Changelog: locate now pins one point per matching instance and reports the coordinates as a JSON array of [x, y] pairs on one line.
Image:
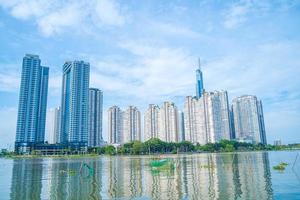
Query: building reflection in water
[[26, 179], [198, 176]]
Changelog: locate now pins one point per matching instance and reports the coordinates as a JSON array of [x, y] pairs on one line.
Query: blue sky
[[145, 52]]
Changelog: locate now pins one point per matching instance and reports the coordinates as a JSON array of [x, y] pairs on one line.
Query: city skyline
[[207, 116], [133, 65]]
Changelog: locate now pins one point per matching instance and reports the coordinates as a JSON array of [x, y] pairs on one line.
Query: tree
[[137, 147], [110, 150], [229, 148]]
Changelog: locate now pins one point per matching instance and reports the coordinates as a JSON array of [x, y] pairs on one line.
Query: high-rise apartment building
[[74, 105], [217, 116], [151, 122], [57, 128], [195, 120], [207, 119], [131, 124], [95, 117], [32, 104], [115, 125], [181, 132], [249, 119], [168, 127]]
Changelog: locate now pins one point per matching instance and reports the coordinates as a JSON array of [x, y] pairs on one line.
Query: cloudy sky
[[145, 52]]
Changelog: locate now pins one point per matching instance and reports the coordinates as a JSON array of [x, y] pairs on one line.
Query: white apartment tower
[[195, 120], [114, 125], [217, 116], [168, 127], [248, 119], [131, 124], [151, 122], [207, 118]]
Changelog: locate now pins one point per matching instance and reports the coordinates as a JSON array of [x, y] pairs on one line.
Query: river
[[246, 175]]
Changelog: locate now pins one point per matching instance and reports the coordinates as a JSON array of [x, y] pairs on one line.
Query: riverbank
[[80, 156], [154, 146]]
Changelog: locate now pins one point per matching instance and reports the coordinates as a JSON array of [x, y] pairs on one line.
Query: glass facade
[[32, 104], [74, 106], [95, 117]]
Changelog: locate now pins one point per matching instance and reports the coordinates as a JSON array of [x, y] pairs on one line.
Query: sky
[[144, 52]]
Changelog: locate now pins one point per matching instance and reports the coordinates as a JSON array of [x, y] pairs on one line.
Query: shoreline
[[79, 156]]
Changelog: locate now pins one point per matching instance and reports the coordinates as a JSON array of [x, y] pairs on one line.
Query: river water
[[247, 175]]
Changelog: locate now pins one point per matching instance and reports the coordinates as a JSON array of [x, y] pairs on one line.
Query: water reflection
[[200, 176]]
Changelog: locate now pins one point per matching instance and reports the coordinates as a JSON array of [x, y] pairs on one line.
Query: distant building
[[199, 82], [151, 122], [74, 106], [168, 130], [277, 142], [32, 104], [249, 119], [95, 138], [114, 115], [57, 127], [181, 131], [131, 124]]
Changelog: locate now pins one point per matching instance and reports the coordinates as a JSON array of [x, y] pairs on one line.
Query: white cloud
[[236, 14], [61, 20], [154, 66], [108, 13], [8, 129], [53, 17], [9, 77]]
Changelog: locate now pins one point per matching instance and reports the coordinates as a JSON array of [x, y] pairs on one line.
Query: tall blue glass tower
[[32, 104], [199, 81], [74, 104]]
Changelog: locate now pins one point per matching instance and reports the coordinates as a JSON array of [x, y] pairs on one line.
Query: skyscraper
[[168, 122], [181, 132], [207, 119], [95, 117], [114, 125], [199, 81], [195, 120], [57, 128], [32, 104], [151, 122], [74, 105], [248, 119], [131, 124], [217, 116]]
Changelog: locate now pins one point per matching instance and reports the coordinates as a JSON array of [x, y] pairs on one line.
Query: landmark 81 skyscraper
[[32, 104], [74, 105], [199, 81]]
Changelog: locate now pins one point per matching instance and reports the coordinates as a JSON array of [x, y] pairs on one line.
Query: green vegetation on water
[[281, 166]]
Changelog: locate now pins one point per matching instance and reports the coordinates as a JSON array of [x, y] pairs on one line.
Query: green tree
[[229, 148], [137, 147], [110, 150]]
